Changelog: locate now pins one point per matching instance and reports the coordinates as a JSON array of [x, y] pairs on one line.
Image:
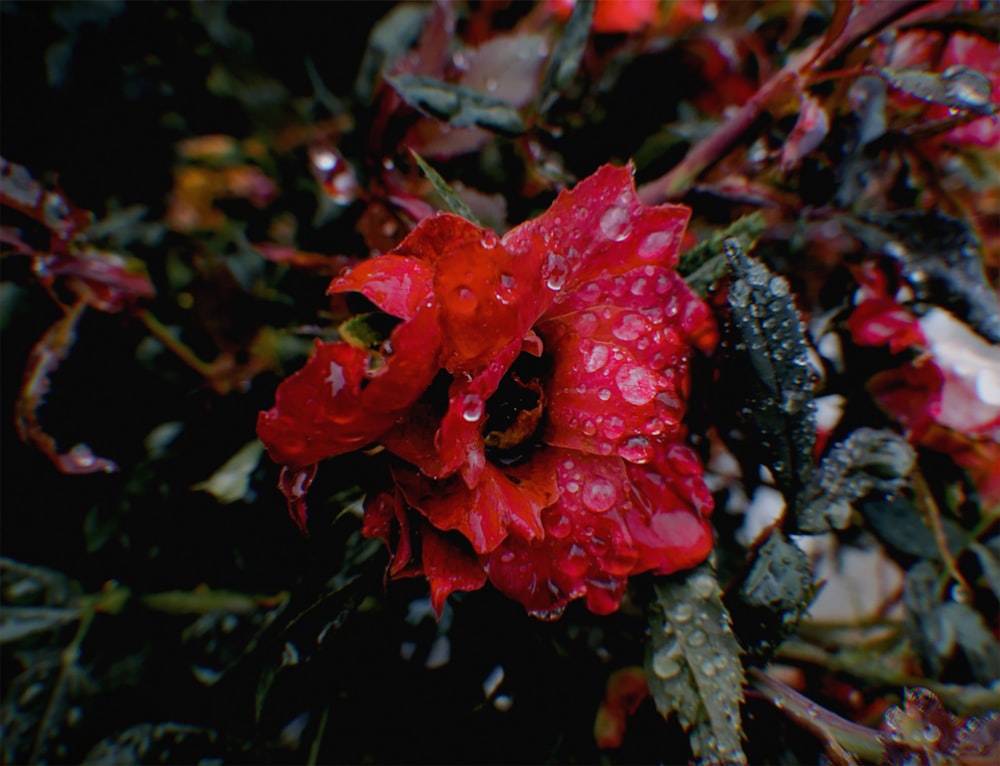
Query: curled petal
[[448, 566], [487, 298], [397, 285], [335, 404], [294, 485], [622, 345], [599, 225]]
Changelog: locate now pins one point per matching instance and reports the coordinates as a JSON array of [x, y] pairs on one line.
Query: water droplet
[[638, 287], [596, 358], [697, 638], [615, 224], [465, 301], [491, 84], [555, 271], [604, 394], [636, 449], [682, 612], [599, 494], [505, 292], [664, 665], [708, 668], [572, 486], [629, 327], [654, 245], [966, 86], [931, 733], [559, 525], [614, 427], [589, 428], [637, 384], [336, 378], [778, 285], [472, 408], [703, 585]]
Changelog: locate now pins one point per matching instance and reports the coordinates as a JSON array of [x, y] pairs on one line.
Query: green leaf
[[567, 54], [957, 87], [901, 526], [693, 666], [459, 106], [389, 39], [747, 230], [869, 460], [778, 397], [451, 200], [774, 595], [989, 562], [167, 742]]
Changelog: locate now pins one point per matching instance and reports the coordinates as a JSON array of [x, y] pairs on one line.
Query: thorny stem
[[801, 70], [842, 738], [185, 354], [966, 700], [933, 513]]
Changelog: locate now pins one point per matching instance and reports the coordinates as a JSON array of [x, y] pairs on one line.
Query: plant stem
[[159, 331]]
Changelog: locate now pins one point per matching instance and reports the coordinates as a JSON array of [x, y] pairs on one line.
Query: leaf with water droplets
[[746, 229], [957, 87], [773, 596], [568, 53], [941, 261], [777, 404], [693, 666], [869, 460], [452, 201], [458, 105]]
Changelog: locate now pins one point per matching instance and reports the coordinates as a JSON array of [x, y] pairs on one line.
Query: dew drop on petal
[[604, 394], [589, 428], [654, 245], [615, 426], [599, 494], [555, 270], [472, 408], [336, 378], [505, 292], [615, 224], [636, 449], [489, 240], [629, 327], [637, 385], [596, 358]]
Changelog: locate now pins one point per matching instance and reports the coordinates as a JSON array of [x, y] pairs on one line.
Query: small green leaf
[[901, 526], [869, 460], [567, 54], [693, 666], [451, 200], [458, 105], [747, 230], [989, 562], [232, 481], [778, 397]]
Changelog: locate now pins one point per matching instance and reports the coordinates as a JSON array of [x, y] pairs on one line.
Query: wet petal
[[621, 347], [448, 566], [335, 405], [487, 298], [599, 225], [396, 284]]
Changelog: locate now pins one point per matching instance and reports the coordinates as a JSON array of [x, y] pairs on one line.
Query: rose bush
[[530, 391]]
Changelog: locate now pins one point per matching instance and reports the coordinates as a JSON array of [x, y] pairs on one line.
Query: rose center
[[514, 412]]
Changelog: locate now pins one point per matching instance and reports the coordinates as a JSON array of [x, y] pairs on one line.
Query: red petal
[[621, 348], [612, 520], [911, 394], [448, 567], [395, 284], [461, 436], [487, 298], [334, 405], [598, 225], [294, 485], [878, 321], [488, 513], [626, 689]]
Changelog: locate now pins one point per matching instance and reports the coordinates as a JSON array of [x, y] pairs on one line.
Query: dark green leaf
[[693, 666], [160, 743], [778, 400], [902, 527], [989, 562], [389, 39], [868, 460], [941, 261], [459, 106], [452, 201], [567, 54], [774, 595]]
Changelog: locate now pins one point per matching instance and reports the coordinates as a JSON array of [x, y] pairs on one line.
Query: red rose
[[530, 392]]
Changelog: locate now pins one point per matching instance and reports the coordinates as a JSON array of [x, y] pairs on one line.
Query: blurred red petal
[[878, 321]]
